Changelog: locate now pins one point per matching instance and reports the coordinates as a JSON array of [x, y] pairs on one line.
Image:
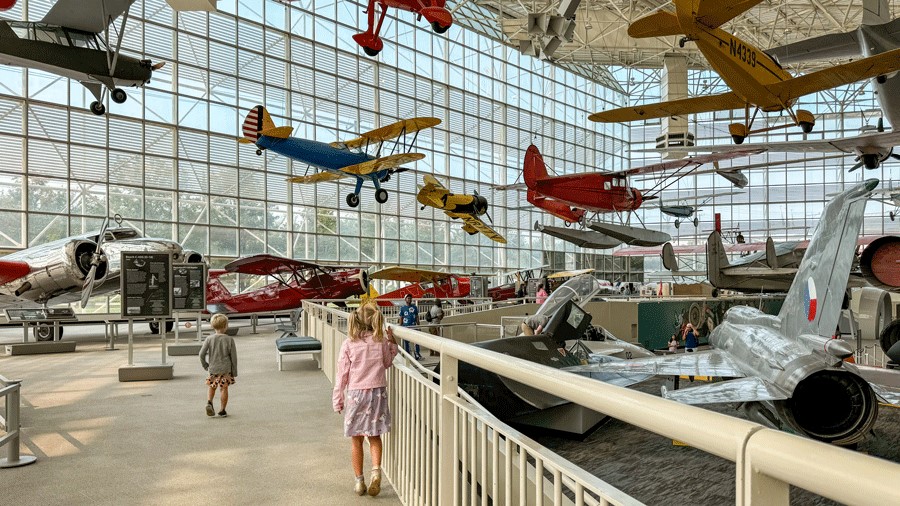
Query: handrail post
[[13, 458], [447, 465]]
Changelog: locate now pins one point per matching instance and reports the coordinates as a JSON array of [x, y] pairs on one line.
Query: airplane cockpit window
[[121, 235], [45, 33], [607, 185], [21, 29], [426, 286], [454, 285], [82, 39]]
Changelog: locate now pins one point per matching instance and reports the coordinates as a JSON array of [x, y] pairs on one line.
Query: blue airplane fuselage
[[314, 153]]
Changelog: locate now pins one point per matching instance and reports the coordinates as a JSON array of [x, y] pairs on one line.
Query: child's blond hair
[[367, 318], [219, 322]]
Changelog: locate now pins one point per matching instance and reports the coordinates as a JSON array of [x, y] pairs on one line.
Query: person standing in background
[[409, 317]]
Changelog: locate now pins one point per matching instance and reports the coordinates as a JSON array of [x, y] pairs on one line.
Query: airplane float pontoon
[[340, 159], [757, 81], [73, 40]]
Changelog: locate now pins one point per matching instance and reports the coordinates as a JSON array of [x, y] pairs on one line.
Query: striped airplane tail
[[258, 122]]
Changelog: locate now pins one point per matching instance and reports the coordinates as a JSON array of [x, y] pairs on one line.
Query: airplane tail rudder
[[813, 303], [716, 259], [256, 121], [668, 257], [534, 167], [658, 24]]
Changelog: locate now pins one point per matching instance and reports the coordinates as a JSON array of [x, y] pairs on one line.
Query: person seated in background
[[534, 324]]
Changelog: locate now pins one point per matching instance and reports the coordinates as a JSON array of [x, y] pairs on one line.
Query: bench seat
[[292, 345]]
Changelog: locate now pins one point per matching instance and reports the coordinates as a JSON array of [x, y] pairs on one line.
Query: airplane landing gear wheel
[[892, 215], [353, 199], [438, 28], [677, 223], [696, 222], [567, 223], [371, 52], [258, 152], [381, 196], [715, 292], [98, 108], [44, 332], [118, 96], [154, 327], [738, 139], [806, 126]]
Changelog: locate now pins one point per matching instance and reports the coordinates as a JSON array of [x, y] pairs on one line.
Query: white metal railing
[[10, 391], [871, 355], [476, 466]]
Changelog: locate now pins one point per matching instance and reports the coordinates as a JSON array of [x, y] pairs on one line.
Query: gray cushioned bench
[[298, 346]]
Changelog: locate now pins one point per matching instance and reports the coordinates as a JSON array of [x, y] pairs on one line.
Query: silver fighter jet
[[787, 369]]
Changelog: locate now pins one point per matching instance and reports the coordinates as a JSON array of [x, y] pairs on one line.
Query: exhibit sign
[[146, 285], [189, 287]]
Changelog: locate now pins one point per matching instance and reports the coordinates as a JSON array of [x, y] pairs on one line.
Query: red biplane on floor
[[433, 11], [295, 281]]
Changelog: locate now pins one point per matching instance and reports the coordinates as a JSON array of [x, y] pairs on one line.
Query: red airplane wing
[[11, 270], [265, 265], [694, 161]]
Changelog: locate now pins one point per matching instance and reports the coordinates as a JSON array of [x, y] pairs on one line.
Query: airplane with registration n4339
[[757, 81], [339, 159]]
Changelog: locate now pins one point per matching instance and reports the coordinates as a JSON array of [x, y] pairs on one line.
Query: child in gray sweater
[[222, 364]]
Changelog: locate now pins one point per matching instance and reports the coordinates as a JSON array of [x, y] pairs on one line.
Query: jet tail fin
[[813, 303], [716, 259], [256, 123]]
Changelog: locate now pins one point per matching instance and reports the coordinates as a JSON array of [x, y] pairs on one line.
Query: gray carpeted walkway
[[99, 441]]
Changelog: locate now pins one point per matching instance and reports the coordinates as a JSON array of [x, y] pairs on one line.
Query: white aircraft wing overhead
[[86, 15], [880, 141], [737, 390], [704, 363]]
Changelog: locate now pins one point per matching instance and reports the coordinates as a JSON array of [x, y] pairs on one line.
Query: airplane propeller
[[88, 287], [158, 65], [486, 213]]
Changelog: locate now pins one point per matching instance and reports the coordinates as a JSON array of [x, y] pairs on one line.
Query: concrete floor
[[99, 441]]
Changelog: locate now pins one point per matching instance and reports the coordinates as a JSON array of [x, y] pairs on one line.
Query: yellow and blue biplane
[[340, 159]]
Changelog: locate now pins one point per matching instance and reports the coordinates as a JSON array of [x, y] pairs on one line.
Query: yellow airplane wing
[[715, 13], [394, 130], [433, 193], [318, 177], [839, 75], [707, 103], [408, 274], [569, 274], [385, 162], [480, 226]]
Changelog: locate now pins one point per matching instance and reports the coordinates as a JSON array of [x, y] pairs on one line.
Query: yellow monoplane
[[465, 207], [755, 78]]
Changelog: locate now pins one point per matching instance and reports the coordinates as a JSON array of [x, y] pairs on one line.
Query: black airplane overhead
[[73, 41]]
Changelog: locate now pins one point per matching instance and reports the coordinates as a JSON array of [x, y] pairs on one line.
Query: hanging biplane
[[570, 197], [432, 10], [424, 283], [286, 284], [684, 211], [73, 41], [458, 206], [755, 78], [340, 159]]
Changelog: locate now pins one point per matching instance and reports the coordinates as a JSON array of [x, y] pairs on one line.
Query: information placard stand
[[188, 294], [146, 293]]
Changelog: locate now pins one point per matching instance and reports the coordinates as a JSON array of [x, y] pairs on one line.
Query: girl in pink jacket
[[365, 355]]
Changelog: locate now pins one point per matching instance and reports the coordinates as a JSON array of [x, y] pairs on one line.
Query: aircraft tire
[[44, 332], [438, 28], [715, 292], [353, 200], [892, 215], [696, 222], [371, 52], [258, 152], [806, 126], [119, 96], [738, 139], [381, 196], [97, 108], [881, 79], [154, 327], [677, 224]]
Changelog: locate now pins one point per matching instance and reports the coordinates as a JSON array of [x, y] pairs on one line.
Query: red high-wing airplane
[[432, 10], [295, 281], [570, 196], [423, 283]]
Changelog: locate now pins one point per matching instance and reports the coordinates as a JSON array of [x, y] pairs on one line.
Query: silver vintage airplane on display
[[73, 41], [75, 268], [786, 370]]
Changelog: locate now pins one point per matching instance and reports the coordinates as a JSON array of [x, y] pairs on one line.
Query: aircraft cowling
[[61, 270], [832, 405], [636, 198], [878, 263]]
